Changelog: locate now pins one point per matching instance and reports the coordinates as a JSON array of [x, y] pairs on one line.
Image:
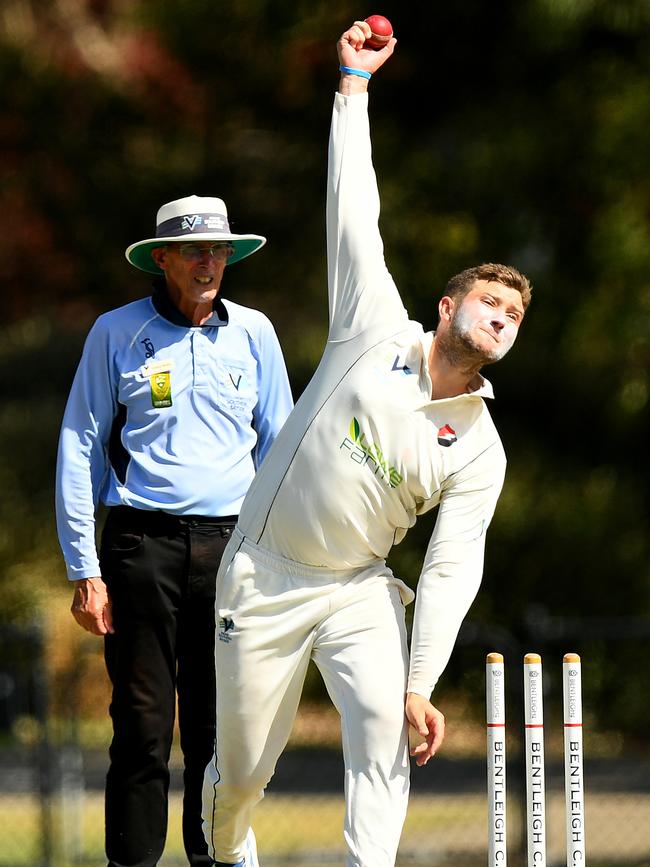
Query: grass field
[[293, 831]]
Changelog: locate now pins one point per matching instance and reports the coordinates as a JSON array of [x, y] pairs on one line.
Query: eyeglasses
[[195, 252]]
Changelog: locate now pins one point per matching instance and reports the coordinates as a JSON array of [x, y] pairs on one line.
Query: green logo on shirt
[[161, 389], [370, 454]]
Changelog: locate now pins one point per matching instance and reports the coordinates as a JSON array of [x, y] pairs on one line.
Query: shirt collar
[[169, 311], [482, 387]]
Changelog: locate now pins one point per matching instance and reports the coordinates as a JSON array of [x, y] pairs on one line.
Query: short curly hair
[[460, 284]]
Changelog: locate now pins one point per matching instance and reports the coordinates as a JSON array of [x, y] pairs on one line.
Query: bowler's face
[[488, 318]]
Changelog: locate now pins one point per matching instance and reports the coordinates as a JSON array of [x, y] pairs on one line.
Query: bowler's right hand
[[351, 51], [91, 606]]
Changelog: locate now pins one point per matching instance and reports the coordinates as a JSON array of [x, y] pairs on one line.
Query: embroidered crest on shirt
[[226, 625], [447, 436], [369, 454], [404, 368], [236, 389]]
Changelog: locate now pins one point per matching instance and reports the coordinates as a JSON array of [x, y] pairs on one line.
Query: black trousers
[[160, 571]]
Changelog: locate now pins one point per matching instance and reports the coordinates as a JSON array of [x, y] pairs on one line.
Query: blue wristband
[[349, 70]]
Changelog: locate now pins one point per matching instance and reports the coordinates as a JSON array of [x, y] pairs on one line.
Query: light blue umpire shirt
[[165, 415]]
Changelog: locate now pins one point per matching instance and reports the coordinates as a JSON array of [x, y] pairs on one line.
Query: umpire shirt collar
[[163, 305]]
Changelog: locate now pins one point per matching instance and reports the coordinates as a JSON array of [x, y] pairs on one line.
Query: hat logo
[[216, 222], [191, 221]]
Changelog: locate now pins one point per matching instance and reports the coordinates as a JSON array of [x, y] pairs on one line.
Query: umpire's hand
[[428, 722], [91, 606]]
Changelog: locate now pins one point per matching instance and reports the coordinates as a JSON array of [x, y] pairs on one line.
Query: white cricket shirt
[[366, 450]]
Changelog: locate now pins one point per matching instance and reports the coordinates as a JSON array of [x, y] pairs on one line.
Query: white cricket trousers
[[273, 616]]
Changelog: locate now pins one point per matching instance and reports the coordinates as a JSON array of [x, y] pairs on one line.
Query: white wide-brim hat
[[194, 218]]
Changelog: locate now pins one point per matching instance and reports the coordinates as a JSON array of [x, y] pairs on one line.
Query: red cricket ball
[[382, 30]]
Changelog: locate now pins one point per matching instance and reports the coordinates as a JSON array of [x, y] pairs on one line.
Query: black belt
[[161, 520]]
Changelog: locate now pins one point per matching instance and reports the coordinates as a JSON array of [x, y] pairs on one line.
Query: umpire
[[176, 400]]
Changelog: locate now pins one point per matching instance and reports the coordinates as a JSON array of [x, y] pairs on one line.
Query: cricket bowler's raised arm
[[362, 292]]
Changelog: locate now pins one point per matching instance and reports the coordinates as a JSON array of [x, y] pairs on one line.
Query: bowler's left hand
[[428, 722]]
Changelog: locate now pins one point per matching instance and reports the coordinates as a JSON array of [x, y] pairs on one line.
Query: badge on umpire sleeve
[[161, 389]]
